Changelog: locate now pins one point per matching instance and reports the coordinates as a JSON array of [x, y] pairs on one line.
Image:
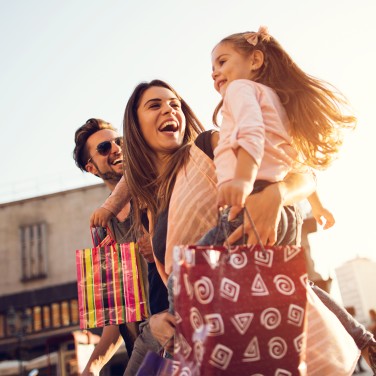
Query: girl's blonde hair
[[147, 188], [317, 111]]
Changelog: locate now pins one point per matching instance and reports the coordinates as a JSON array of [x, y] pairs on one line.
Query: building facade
[[356, 279], [38, 291]]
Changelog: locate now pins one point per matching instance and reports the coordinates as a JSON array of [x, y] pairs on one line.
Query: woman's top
[[193, 205], [254, 119]]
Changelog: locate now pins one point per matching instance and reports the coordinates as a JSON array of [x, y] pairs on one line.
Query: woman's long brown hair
[[147, 187]]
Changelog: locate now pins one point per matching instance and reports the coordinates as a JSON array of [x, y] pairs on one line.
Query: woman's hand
[[265, 210], [100, 217], [162, 326], [144, 247]]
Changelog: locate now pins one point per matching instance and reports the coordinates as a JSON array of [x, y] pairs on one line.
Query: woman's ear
[[257, 60]]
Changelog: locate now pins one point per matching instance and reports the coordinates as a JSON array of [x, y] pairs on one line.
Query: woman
[[171, 173]]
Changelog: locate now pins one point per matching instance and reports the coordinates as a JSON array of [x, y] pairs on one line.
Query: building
[[39, 321], [356, 279]]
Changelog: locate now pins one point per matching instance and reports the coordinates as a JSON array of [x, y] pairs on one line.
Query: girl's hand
[[265, 210], [234, 193], [328, 217], [100, 217]]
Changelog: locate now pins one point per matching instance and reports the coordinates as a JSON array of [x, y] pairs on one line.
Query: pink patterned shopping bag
[[240, 310]]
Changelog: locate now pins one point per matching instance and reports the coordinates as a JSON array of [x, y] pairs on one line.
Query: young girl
[[276, 119]]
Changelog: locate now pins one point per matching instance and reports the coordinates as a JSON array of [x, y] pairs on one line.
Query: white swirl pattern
[[282, 372], [284, 284], [295, 315], [204, 290], [196, 319], [299, 343], [264, 258], [215, 325], [229, 289], [198, 350], [219, 338], [277, 347], [238, 260], [185, 372], [188, 286], [221, 356], [252, 351], [242, 321], [290, 252], [270, 318], [258, 287]]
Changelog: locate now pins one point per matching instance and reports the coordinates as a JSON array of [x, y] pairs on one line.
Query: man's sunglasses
[[104, 147]]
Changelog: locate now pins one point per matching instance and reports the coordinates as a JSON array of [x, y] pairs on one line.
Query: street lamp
[[18, 325]]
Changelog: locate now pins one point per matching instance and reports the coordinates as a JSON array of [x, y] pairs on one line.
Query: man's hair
[[80, 152]]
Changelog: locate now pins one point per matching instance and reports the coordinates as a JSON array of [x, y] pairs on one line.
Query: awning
[[12, 367]]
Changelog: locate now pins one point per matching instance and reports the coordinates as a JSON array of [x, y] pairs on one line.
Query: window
[[74, 311], [2, 326], [65, 320], [37, 318], [55, 308], [33, 251], [46, 317]]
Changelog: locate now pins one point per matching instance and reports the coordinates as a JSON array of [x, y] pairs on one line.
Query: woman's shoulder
[[204, 142]]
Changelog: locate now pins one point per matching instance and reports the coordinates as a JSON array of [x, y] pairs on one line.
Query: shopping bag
[[240, 310], [330, 348], [155, 365], [110, 285]]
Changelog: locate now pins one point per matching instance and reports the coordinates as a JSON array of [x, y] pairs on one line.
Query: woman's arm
[[265, 207]]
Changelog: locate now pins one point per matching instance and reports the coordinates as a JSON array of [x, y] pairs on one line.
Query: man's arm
[[107, 346]]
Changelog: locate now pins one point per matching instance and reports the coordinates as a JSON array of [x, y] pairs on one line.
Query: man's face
[[110, 166]]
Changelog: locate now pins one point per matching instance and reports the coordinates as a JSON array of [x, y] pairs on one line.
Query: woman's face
[[161, 120]]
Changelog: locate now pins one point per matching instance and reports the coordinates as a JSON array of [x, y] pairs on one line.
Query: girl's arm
[[235, 191], [318, 211], [265, 207], [112, 206]]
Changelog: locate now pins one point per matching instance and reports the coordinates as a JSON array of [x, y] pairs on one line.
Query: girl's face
[[229, 65], [161, 120]]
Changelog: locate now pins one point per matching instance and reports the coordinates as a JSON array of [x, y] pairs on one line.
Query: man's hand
[[162, 326], [100, 217]]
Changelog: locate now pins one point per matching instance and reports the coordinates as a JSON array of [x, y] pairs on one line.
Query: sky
[[63, 62]]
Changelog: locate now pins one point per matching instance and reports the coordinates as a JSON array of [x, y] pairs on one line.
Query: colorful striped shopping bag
[[110, 285]]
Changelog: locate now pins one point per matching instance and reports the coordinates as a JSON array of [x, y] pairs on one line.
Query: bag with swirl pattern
[[240, 310]]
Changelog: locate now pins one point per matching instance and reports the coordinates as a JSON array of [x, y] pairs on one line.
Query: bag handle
[[245, 210], [107, 240], [220, 225]]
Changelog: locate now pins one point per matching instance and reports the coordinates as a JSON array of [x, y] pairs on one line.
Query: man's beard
[[113, 176], [109, 176]]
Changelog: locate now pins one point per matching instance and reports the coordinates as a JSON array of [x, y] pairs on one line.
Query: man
[[98, 150]]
